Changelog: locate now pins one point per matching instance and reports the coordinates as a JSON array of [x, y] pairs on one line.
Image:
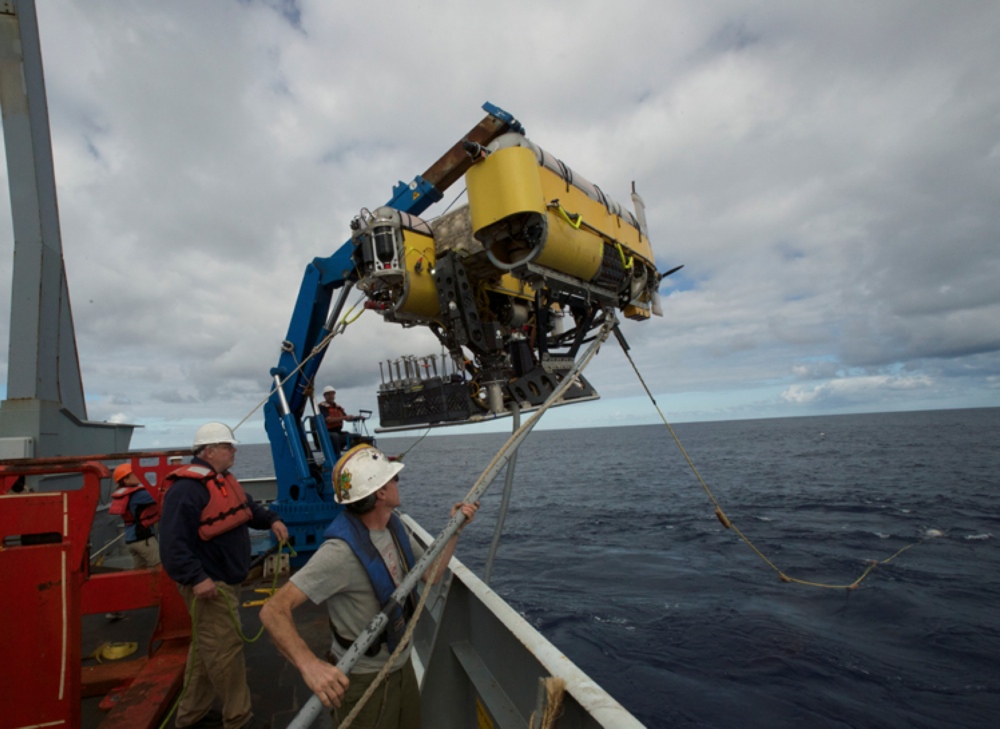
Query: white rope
[[338, 328], [314, 707]]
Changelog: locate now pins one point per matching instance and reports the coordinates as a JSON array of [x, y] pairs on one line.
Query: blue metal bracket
[[504, 116]]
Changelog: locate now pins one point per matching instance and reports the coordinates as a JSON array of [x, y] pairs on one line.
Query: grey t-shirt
[[335, 574]]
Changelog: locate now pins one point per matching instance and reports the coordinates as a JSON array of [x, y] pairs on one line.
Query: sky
[[828, 174]]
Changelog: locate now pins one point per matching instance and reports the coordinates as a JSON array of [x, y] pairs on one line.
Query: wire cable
[[728, 524], [323, 344]]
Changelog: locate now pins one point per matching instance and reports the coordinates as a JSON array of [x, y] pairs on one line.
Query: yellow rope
[[190, 666], [345, 322], [194, 635], [626, 262], [575, 221], [725, 521], [233, 614]]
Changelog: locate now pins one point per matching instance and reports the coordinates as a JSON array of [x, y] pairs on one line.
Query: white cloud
[[827, 174], [857, 389]]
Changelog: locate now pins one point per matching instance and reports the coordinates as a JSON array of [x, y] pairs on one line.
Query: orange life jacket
[[228, 506], [333, 412], [119, 507]]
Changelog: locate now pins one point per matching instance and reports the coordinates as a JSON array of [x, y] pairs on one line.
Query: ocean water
[[612, 550]]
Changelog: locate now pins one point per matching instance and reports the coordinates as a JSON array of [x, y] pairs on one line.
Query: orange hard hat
[[122, 471]]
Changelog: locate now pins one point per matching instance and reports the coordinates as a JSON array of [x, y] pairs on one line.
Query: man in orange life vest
[[205, 546], [139, 510], [137, 507], [335, 416]]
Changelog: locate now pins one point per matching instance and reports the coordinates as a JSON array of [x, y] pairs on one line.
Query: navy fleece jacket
[[188, 558]]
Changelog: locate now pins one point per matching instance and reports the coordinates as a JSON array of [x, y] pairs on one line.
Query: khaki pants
[[394, 705], [145, 553], [215, 662]]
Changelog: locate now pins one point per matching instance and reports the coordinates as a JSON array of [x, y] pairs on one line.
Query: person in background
[[139, 510], [365, 556], [334, 416], [205, 546]]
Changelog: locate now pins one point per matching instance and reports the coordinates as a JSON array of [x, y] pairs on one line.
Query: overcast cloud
[[827, 174]]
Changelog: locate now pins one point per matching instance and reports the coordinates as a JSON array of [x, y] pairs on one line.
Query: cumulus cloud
[[858, 389]]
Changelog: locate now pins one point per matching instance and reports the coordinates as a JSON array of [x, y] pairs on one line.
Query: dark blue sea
[[612, 550]]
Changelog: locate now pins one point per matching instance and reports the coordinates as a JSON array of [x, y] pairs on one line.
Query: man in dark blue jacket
[[205, 548]]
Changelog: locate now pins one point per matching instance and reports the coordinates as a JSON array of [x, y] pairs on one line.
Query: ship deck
[[277, 690], [482, 659]]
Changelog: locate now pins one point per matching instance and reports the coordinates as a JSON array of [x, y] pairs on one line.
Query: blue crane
[[305, 496]]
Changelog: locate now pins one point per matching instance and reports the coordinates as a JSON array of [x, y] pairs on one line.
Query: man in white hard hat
[[366, 554], [205, 548], [335, 416]]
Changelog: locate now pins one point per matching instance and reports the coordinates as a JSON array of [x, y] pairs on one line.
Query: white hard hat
[[328, 389], [362, 471], [212, 433]]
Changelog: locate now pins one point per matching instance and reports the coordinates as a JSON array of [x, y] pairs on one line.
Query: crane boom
[[305, 499], [512, 285]]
